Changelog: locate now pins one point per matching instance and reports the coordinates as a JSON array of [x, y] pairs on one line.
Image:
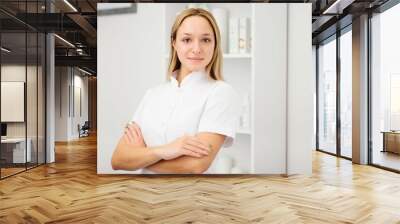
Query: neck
[[183, 72]]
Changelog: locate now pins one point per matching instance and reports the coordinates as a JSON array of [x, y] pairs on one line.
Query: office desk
[[15, 148], [391, 141]]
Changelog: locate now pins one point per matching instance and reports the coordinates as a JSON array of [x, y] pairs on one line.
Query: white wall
[[269, 88], [301, 88], [61, 103], [126, 68], [283, 89], [80, 83], [67, 79]]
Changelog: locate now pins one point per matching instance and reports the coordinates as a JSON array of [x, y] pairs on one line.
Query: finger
[[138, 131], [133, 132], [200, 146], [127, 136], [130, 133], [191, 153], [196, 149], [196, 142], [140, 135], [126, 139]]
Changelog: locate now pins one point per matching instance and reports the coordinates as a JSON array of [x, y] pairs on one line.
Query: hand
[[186, 145], [133, 135]]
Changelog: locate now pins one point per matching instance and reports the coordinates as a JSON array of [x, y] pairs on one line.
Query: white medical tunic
[[199, 104]]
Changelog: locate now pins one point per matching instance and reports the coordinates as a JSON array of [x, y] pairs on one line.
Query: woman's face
[[194, 43]]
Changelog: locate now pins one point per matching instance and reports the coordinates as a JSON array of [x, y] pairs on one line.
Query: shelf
[[244, 131], [243, 55]]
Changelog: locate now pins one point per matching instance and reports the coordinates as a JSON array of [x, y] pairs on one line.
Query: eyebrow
[[204, 34]]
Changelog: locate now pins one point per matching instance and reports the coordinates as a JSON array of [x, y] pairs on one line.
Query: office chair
[[84, 130]]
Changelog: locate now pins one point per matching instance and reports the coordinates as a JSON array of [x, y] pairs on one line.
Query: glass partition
[[327, 96], [22, 77], [346, 94], [385, 89], [13, 94]]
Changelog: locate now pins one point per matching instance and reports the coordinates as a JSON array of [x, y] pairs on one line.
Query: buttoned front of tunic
[[200, 104]]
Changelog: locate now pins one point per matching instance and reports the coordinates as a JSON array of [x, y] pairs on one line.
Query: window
[[22, 66], [385, 89], [327, 97], [346, 94]]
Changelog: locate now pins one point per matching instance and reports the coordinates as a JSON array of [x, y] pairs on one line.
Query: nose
[[196, 49]]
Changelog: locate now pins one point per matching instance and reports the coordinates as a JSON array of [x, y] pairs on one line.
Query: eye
[[207, 40], [186, 40]]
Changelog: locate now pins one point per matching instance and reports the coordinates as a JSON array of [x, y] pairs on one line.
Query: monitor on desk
[[3, 130]]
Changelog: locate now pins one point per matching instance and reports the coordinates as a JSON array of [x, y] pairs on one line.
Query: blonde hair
[[214, 68]]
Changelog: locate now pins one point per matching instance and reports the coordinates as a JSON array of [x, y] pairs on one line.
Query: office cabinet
[[391, 142], [15, 152]]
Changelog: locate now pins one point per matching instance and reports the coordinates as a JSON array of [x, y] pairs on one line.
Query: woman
[[180, 125]]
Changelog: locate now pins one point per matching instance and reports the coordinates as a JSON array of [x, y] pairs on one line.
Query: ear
[[173, 44]]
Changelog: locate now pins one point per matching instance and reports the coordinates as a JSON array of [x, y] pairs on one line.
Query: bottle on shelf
[[244, 35]]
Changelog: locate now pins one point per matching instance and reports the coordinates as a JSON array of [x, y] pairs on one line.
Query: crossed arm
[[184, 155]]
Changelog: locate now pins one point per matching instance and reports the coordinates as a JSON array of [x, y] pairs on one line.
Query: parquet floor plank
[[70, 191]]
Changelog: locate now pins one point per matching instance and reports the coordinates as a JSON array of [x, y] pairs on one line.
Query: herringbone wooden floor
[[70, 191]]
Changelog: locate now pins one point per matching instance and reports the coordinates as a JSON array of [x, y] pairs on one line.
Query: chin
[[197, 68]]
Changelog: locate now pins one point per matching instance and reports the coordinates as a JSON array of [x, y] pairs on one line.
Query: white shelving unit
[[239, 56], [244, 131], [236, 71]]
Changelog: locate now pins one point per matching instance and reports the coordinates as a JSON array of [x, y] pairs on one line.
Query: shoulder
[[223, 94], [223, 85], [224, 90]]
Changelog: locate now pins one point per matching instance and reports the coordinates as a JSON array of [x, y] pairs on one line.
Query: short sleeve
[[137, 116], [221, 113]]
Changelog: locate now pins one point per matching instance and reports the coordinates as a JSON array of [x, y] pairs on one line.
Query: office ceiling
[[76, 22]]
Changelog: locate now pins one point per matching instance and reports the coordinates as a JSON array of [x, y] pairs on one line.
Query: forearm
[[128, 157], [189, 164], [181, 165]]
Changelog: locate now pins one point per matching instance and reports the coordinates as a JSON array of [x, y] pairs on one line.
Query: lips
[[196, 59]]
